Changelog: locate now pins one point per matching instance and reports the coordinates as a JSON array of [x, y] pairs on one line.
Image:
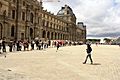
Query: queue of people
[[22, 45], [26, 45]]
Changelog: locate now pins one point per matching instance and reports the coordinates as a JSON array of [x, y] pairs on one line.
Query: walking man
[[89, 49]]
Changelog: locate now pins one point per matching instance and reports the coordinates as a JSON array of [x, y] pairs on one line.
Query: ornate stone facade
[[81, 32], [26, 19]]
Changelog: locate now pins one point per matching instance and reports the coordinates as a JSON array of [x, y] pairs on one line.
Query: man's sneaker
[[84, 62]]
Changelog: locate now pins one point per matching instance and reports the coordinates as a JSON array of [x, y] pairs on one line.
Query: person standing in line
[[89, 49], [37, 42], [14, 45], [39, 45], [55, 43], [32, 45], [0, 45], [45, 44], [4, 45], [10, 45], [18, 45], [42, 44], [58, 45], [49, 43]]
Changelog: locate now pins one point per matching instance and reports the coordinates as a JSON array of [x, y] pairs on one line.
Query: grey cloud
[[114, 34], [101, 19]]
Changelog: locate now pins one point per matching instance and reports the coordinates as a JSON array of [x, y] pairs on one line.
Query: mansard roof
[[65, 10]]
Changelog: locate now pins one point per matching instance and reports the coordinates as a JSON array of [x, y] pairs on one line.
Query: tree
[[107, 40]]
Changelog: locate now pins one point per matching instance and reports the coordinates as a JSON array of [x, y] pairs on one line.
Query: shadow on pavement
[[96, 64], [3, 54]]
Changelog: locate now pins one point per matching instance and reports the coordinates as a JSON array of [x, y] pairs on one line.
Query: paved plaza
[[65, 64]]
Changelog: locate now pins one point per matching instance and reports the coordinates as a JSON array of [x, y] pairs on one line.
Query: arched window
[[12, 31], [31, 17]]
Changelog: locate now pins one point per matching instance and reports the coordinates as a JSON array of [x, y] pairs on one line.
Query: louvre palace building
[[26, 19]]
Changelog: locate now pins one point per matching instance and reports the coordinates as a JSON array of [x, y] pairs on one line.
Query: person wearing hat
[[88, 50]]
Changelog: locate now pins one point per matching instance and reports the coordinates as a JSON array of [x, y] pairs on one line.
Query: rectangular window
[[47, 24], [23, 16], [14, 1], [43, 22], [38, 20], [67, 29], [23, 3], [13, 14]]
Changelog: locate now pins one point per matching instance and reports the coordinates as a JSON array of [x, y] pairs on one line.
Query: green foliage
[[107, 40], [93, 40]]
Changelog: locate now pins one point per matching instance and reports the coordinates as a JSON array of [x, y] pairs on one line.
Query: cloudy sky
[[102, 17]]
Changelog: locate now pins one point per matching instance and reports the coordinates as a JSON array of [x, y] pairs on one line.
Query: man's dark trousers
[[89, 55]]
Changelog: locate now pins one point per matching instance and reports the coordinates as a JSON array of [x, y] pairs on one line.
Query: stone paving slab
[[65, 64]]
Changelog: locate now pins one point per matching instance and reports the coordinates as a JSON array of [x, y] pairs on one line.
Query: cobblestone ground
[[65, 64]]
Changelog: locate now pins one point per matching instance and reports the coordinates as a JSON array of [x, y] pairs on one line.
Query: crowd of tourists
[[26, 45], [23, 45]]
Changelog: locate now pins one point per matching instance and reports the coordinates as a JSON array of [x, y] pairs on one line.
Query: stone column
[[28, 33], [53, 35]]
